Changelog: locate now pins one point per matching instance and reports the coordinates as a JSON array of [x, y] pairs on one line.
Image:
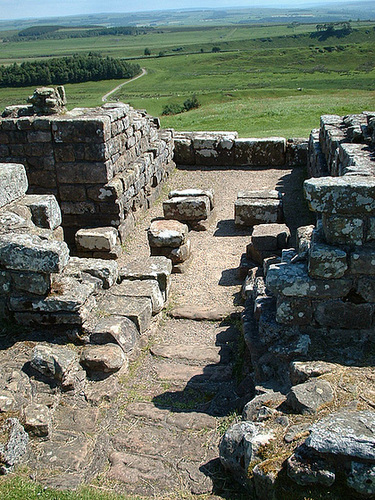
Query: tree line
[[75, 69]]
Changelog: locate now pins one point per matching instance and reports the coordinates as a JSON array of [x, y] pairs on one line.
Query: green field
[[265, 80]]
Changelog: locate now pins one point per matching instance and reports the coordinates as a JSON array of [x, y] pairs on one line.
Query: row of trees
[[75, 69]]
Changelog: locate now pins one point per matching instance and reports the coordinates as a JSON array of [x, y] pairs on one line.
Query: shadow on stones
[[227, 227], [223, 482], [230, 277], [11, 333]]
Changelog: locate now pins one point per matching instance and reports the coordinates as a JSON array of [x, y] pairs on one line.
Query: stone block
[[116, 329], [310, 396], [296, 152], [340, 314], [327, 262], [341, 230], [270, 236], [167, 233], [23, 252], [362, 261], [45, 210], [141, 288], [183, 151], [270, 151], [13, 182], [370, 236], [37, 420], [303, 240], [253, 211], [189, 208], [158, 268], [96, 239], [14, 446], [294, 311], [258, 256], [106, 271], [34, 283], [84, 172], [108, 358], [293, 280], [137, 309], [176, 255], [366, 288], [347, 195], [194, 192]]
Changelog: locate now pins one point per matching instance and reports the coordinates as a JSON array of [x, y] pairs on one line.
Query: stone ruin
[[83, 176]]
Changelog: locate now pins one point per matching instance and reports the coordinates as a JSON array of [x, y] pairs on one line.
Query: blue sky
[[15, 9]]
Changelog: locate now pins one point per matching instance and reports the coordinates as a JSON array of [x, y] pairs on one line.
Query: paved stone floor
[[154, 430]]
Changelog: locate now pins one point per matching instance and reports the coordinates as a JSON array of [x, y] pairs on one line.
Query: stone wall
[[102, 164], [226, 149]]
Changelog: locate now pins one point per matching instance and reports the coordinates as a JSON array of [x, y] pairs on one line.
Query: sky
[[19, 9]]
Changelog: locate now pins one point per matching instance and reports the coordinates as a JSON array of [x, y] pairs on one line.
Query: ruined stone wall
[[102, 164], [226, 149]]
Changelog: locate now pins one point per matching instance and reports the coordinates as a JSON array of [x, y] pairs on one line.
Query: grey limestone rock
[[167, 233], [347, 433], [15, 445], [99, 239], [105, 270], [137, 309], [326, 261], [13, 182], [308, 397], [305, 467], [141, 288], [45, 210], [300, 371], [116, 329], [267, 400], [194, 192], [58, 363], [361, 479], [23, 252], [253, 211], [187, 208], [106, 358]]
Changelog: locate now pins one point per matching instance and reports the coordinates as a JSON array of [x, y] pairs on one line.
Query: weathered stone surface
[[54, 362], [7, 402], [15, 446], [130, 468], [306, 468], [188, 208], [327, 262], [141, 288], [137, 309], [34, 283], [37, 420], [199, 313], [341, 195], [267, 400], [308, 397], [293, 280], [192, 353], [106, 358], [106, 271], [194, 192], [158, 268], [251, 211], [293, 311], [240, 444], [260, 152], [300, 371], [341, 230], [303, 237], [31, 253], [167, 233], [362, 261], [366, 288], [361, 479], [273, 194], [345, 433], [176, 255], [13, 182], [340, 314], [116, 329], [44, 209], [97, 239]]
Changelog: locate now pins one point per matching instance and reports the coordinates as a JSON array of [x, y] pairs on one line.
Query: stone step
[[177, 372], [137, 309], [195, 354]]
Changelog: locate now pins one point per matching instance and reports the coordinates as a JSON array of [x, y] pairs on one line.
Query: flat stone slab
[[105, 270], [137, 309], [345, 433], [252, 211], [44, 209], [193, 192], [270, 236], [23, 252], [154, 267], [13, 182], [199, 313], [193, 353], [260, 194], [308, 397], [187, 208], [141, 288], [179, 372], [167, 233], [300, 371]]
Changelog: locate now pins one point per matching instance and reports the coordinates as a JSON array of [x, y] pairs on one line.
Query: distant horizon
[[11, 11]]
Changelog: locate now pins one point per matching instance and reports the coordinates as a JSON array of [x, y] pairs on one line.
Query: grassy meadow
[[263, 80]]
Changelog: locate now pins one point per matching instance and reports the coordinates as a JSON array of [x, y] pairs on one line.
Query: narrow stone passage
[[181, 393]]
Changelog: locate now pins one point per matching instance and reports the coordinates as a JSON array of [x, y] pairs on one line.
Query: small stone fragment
[[15, 444], [106, 358], [306, 468], [307, 398], [116, 329], [167, 233], [37, 420]]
